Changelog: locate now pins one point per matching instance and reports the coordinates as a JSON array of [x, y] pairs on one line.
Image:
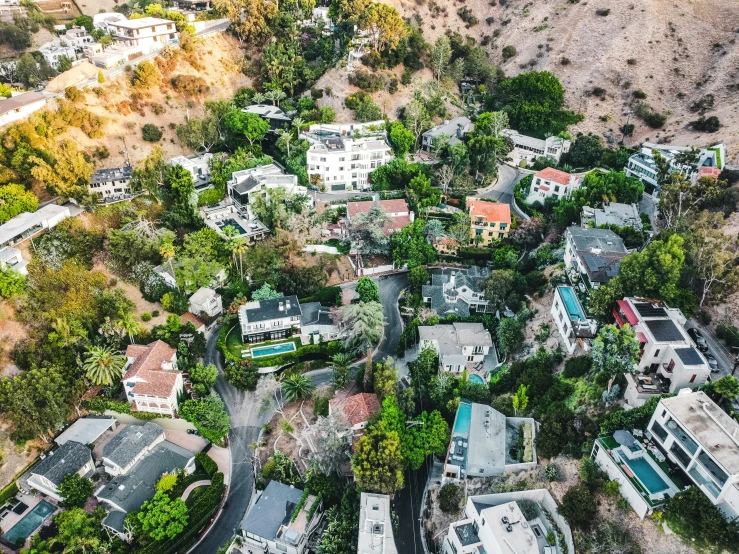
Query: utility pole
[[736, 360]]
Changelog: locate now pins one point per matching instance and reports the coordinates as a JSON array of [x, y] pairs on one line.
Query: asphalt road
[[250, 410], [502, 190], [716, 349]]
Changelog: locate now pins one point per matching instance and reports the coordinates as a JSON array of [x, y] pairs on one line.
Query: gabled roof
[[492, 211], [130, 441], [148, 357], [551, 174], [67, 459], [357, 408], [603, 240], [272, 510]]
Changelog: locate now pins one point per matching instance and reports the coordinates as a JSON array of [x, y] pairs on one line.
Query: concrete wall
[[524, 466], [322, 248], [628, 490], [165, 423]]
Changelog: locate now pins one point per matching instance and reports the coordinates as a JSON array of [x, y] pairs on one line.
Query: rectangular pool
[[462, 421], [272, 349], [646, 475], [572, 305], [223, 223], [30, 522]]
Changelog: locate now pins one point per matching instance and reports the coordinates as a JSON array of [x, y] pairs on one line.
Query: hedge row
[[8, 492], [99, 405], [207, 463], [304, 353], [327, 296]]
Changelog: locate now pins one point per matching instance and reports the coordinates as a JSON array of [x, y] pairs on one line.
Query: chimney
[[282, 306], [287, 304]]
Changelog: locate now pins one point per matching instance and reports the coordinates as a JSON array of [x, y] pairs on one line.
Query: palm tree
[[103, 365], [239, 247], [127, 325], [297, 387], [167, 252], [340, 364], [275, 96], [364, 323], [258, 97], [298, 123]]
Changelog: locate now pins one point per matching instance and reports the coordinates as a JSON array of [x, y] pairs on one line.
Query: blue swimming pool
[[571, 303], [30, 522], [646, 475], [272, 349], [223, 223], [462, 422]]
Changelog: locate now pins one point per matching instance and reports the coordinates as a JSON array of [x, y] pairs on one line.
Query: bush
[[706, 124], [367, 81], [579, 366], [320, 407], [697, 521], [644, 112], [210, 196], [242, 374], [151, 133], [393, 86], [449, 498], [146, 316], [640, 94], [728, 333], [190, 85], [466, 15], [578, 506], [565, 61], [73, 94], [602, 12], [406, 77], [207, 463], [175, 302], [508, 52]]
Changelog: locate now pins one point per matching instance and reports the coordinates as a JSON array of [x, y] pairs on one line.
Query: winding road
[[250, 410]]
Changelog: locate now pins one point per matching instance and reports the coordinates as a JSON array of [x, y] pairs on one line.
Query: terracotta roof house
[[357, 409], [151, 378], [488, 221], [398, 210], [189, 317], [446, 245], [707, 171], [550, 182]]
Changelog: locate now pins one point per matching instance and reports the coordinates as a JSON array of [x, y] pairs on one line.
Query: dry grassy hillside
[[680, 51]]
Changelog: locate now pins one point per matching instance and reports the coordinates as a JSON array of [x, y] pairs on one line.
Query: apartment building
[[529, 148], [489, 221], [552, 183], [111, 185], [151, 379], [668, 359], [461, 347], [145, 31], [703, 440], [20, 106], [271, 319], [592, 256], [569, 317]]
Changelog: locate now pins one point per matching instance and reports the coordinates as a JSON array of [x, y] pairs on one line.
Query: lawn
[[195, 494]]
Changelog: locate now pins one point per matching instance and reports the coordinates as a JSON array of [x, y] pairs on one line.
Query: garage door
[[338, 187]]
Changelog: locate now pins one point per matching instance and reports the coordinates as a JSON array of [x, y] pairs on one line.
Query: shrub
[[579, 366], [210, 196], [367, 81], [320, 407], [631, 61], [242, 374], [155, 313], [602, 12], [551, 472], [644, 112], [449, 498], [578, 506], [697, 521], [151, 133], [207, 463], [565, 61], [640, 94], [466, 15], [175, 302], [406, 77], [158, 109], [393, 86], [508, 52], [190, 85], [728, 333], [706, 124], [146, 75], [146, 316], [73, 94], [316, 93]]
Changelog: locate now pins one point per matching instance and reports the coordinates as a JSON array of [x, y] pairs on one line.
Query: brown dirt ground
[[10, 332], [14, 458], [91, 7]]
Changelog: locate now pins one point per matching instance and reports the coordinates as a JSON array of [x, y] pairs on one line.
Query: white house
[[343, 163], [69, 459], [150, 32], [460, 347], [102, 20], [111, 185], [54, 50], [569, 316], [529, 148], [272, 319], [454, 130], [455, 291], [28, 224], [151, 379], [12, 258], [612, 213], [317, 324], [375, 525], [77, 37], [593, 255], [20, 106], [552, 183], [198, 166], [206, 301], [703, 440], [273, 115], [668, 360]]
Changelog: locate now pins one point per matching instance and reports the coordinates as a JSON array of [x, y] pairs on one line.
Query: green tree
[[615, 351], [680, 196], [181, 197], [340, 364], [368, 231], [364, 323], [520, 400], [410, 246], [101, 77], [417, 277], [401, 139], [449, 498], [422, 370], [655, 271], [421, 194], [246, 125], [510, 335], [15, 199], [385, 376], [162, 517], [727, 388], [151, 133], [146, 75], [205, 374], [377, 463], [695, 519], [11, 282], [78, 531], [149, 174], [440, 56], [167, 482], [75, 490], [367, 290], [297, 387], [68, 173], [586, 151], [578, 506], [383, 24], [103, 365], [265, 292], [487, 143], [242, 374], [208, 416]]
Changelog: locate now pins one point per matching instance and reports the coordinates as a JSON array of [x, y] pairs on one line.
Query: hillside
[[678, 52]]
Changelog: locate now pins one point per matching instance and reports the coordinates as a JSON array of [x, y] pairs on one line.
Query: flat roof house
[[28, 224], [455, 291], [269, 525], [489, 221], [668, 359], [612, 213], [461, 347], [483, 443], [129, 445], [276, 118], [151, 32], [20, 106], [276, 318], [552, 183], [86, 430], [12, 258], [198, 166], [398, 211], [569, 316], [375, 525], [703, 440], [70, 458], [529, 148], [206, 301], [151, 378], [112, 185], [593, 255]]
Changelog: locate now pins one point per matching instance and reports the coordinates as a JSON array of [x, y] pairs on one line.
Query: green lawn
[[195, 494]]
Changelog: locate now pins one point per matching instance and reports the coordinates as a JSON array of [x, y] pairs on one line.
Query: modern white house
[[151, 32], [28, 224], [612, 213], [668, 359], [343, 163], [592, 256], [206, 301], [453, 130], [151, 379], [703, 440], [198, 166], [461, 347], [12, 258], [20, 106], [569, 316], [103, 19], [455, 291], [112, 185], [484, 443], [552, 183], [509, 523], [54, 50], [527, 148], [276, 318], [375, 525], [70, 458]]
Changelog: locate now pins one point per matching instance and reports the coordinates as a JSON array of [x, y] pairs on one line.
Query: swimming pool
[[476, 380], [30, 522], [273, 349], [571, 304], [646, 474], [462, 422], [223, 223]]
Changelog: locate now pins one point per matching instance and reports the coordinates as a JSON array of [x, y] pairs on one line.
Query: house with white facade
[[612, 213], [77, 37], [28, 224], [20, 106], [197, 166], [668, 359], [375, 525], [151, 379], [509, 523], [455, 291], [12, 258], [485, 442], [552, 183], [112, 185], [276, 318], [342, 160], [703, 440], [150, 32], [70, 458], [454, 130], [569, 317], [206, 301], [461, 347], [102, 20], [527, 148], [592, 256], [54, 50], [318, 324]]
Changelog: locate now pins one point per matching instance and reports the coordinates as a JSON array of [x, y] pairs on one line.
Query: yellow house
[[488, 221]]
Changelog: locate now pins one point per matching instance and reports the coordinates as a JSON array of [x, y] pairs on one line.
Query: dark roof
[[601, 268], [471, 278], [315, 314], [265, 310], [664, 330], [67, 459], [604, 240], [115, 520], [689, 356], [466, 534], [645, 309], [273, 509], [112, 174], [245, 186], [20, 100], [126, 445], [130, 491]]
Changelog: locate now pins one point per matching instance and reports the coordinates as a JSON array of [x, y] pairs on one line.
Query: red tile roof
[[709, 172], [158, 383], [492, 211], [551, 174], [188, 317], [149, 357], [358, 408], [388, 206]]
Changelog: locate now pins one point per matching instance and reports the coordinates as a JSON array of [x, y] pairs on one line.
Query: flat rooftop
[[510, 529], [375, 526]]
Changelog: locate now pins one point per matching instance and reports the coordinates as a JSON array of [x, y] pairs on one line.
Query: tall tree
[[615, 351], [75, 489], [367, 231], [14, 199], [68, 174], [383, 24], [149, 175], [679, 196], [340, 364], [246, 125], [440, 56], [332, 438], [367, 290], [378, 461], [364, 324], [162, 517]]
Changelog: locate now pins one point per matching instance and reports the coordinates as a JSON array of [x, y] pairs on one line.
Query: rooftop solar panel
[[646, 309]]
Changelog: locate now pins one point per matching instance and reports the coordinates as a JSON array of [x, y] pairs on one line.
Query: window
[[470, 358], [342, 158], [556, 188], [656, 353], [490, 233], [281, 547], [692, 379]]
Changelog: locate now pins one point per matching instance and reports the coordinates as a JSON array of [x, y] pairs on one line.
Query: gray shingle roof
[[265, 310], [604, 240], [273, 509], [471, 278], [126, 445], [67, 459]]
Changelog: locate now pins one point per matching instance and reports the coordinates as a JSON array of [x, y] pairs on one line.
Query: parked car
[[193, 432], [698, 339], [712, 363]]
